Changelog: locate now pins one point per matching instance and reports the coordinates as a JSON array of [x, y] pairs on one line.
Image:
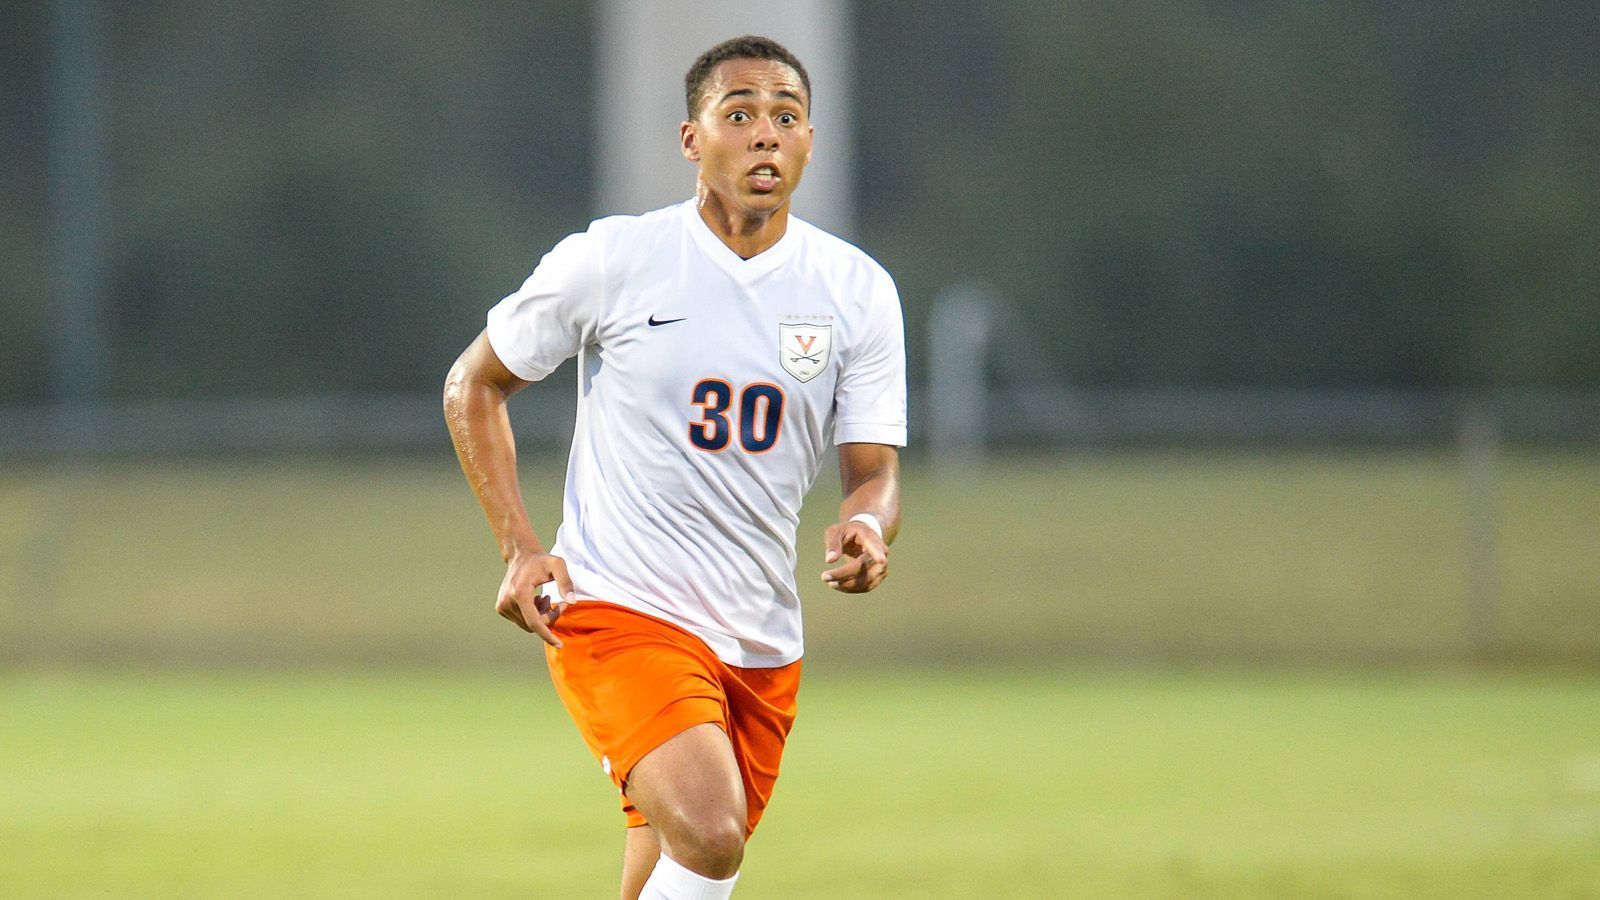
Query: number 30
[[760, 415]]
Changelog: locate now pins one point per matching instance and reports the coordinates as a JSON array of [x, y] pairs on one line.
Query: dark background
[[304, 199]]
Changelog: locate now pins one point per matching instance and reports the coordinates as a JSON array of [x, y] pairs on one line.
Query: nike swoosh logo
[[655, 321]]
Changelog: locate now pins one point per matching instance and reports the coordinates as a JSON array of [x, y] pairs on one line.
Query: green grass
[[915, 783], [1155, 556], [995, 773]]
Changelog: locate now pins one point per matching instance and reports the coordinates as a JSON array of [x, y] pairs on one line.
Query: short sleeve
[[554, 313], [870, 398]]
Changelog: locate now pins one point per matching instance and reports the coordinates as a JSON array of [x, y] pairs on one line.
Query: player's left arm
[[871, 477]]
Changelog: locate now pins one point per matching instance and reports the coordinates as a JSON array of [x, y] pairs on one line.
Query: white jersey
[[709, 388]]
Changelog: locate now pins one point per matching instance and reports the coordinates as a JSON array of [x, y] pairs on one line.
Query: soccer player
[[721, 344]]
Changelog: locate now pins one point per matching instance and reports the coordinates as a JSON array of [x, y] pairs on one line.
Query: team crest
[[803, 349]]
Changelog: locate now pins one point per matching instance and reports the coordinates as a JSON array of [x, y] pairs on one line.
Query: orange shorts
[[631, 681]]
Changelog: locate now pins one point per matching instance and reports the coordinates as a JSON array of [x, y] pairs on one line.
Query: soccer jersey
[[709, 388]]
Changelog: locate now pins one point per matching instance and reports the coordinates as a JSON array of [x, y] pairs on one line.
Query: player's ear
[[811, 137], [688, 142]]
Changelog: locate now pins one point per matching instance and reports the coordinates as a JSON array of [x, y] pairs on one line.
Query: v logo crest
[[808, 355]]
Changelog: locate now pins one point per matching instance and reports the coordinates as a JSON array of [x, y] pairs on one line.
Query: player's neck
[[744, 232]]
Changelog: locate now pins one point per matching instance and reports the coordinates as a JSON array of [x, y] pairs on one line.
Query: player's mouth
[[763, 178]]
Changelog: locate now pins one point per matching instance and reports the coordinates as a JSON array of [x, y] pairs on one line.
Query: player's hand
[[521, 601], [867, 557]]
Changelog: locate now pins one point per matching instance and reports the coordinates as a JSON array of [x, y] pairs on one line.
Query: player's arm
[[871, 477], [475, 394]]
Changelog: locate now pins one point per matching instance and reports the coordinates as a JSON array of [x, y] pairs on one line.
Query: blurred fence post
[[77, 198], [959, 328], [642, 49], [1479, 437]]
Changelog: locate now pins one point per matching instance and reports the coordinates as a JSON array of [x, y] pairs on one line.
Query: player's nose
[[764, 136]]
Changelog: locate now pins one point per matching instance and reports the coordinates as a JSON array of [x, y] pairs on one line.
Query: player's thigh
[[690, 783]]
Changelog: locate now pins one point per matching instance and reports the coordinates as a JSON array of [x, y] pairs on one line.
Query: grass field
[[918, 783], [273, 678]]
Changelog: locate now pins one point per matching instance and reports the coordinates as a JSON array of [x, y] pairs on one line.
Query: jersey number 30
[[760, 415]]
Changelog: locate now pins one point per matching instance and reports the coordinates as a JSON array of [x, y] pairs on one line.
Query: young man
[[721, 343]]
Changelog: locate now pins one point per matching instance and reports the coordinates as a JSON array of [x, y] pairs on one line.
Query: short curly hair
[[749, 46]]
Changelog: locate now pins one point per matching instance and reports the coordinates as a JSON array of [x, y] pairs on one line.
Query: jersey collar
[[750, 269]]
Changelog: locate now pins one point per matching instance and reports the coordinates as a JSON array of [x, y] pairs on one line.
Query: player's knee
[[713, 846]]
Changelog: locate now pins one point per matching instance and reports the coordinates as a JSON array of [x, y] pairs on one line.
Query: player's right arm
[[475, 394]]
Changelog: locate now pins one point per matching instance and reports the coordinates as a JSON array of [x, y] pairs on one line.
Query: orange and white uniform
[[709, 389]]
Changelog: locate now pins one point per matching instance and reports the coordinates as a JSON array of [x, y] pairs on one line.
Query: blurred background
[[1255, 378]]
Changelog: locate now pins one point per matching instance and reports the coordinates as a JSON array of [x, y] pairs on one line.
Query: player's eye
[[787, 119], [738, 117]]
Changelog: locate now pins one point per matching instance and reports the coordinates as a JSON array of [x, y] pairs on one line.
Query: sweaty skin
[[753, 113], [871, 477], [475, 395]]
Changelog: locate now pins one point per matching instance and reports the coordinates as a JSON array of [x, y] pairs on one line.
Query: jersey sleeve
[[870, 398], [555, 312]]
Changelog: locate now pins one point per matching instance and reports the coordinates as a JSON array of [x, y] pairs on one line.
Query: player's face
[[751, 137]]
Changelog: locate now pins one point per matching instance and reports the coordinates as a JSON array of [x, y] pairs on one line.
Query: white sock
[[671, 881]]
